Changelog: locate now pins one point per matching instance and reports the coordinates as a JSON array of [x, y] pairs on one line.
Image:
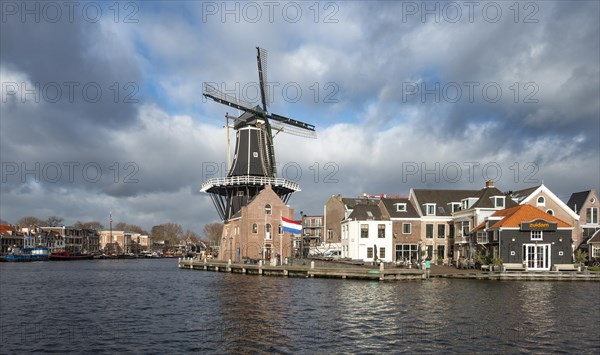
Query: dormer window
[[267, 209], [400, 207], [465, 204], [430, 209], [455, 206], [541, 201], [499, 201]]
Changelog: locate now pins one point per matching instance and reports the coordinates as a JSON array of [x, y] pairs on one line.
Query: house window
[[267, 209], [405, 228], [550, 212], [591, 215], [401, 207], [541, 201], [364, 231], [329, 234], [482, 237], [280, 230], [406, 252], [595, 251], [382, 253], [381, 231], [429, 230], [430, 209], [255, 228], [465, 228], [369, 253], [441, 231], [536, 235], [499, 202], [268, 231]]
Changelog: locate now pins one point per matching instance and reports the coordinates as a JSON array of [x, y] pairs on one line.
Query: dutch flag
[[291, 226]]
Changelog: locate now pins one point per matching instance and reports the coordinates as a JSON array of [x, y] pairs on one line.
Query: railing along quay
[[380, 274]]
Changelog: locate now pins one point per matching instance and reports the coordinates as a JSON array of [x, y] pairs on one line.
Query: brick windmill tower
[[253, 168]]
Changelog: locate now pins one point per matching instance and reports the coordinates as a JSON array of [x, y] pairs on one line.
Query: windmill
[[254, 164]]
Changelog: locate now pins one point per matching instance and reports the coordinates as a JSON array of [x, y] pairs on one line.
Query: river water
[[151, 306]]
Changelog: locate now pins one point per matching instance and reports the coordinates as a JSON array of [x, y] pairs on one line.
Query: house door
[[537, 257]]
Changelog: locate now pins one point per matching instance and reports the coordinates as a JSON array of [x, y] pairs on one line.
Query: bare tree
[[171, 232], [121, 226], [89, 225], [54, 221], [31, 220], [212, 232], [191, 236]]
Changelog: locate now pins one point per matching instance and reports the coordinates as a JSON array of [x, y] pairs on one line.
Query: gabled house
[[406, 227], [594, 248], [440, 240], [255, 231], [587, 206], [528, 235], [542, 198], [367, 234], [336, 209], [10, 238]]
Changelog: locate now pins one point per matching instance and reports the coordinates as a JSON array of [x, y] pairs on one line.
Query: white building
[[367, 235]]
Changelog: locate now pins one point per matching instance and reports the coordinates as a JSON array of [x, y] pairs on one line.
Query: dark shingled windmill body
[[253, 164]]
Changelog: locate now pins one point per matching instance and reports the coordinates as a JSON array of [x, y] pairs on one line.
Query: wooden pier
[[380, 274]]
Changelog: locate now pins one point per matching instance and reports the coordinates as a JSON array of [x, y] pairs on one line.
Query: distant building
[[10, 238], [312, 231], [119, 242], [73, 240]]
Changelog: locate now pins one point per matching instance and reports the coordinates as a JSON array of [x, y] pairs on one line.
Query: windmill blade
[[293, 130], [293, 122], [228, 100], [262, 61]]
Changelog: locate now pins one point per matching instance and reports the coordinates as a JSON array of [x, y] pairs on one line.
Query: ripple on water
[[150, 306]]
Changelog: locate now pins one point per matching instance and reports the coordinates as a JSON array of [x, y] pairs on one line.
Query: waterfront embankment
[[344, 271]]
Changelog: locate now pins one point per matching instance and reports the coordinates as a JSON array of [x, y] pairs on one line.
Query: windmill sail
[[253, 163]]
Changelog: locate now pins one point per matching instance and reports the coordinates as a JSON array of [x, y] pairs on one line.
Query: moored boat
[[27, 254], [65, 255]]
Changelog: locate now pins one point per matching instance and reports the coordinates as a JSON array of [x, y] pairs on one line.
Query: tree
[[89, 225], [212, 232], [54, 221], [31, 220], [121, 226], [171, 232], [191, 236]]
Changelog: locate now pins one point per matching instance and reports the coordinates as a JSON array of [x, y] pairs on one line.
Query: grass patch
[[594, 268]]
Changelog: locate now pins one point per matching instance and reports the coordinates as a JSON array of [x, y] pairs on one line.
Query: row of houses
[[531, 225], [85, 241], [56, 239]]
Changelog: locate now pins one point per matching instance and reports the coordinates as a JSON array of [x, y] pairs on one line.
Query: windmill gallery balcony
[[248, 180]]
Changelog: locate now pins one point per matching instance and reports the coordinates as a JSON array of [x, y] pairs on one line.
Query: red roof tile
[[525, 213]]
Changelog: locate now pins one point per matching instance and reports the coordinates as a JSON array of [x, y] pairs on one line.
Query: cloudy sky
[[102, 107]]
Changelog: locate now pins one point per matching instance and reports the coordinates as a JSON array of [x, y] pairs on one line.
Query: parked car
[[332, 254]]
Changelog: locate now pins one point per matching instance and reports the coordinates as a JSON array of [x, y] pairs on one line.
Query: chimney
[[489, 183]]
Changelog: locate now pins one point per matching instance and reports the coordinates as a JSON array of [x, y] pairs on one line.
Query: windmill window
[[550, 212], [267, 209], [541, 201]]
